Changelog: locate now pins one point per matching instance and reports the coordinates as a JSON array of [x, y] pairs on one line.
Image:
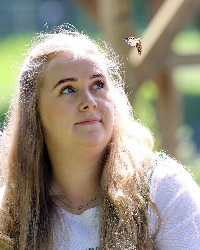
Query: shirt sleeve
[[177, 198]]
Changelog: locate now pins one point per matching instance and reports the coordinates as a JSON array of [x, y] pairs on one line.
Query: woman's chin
[[93, 142]]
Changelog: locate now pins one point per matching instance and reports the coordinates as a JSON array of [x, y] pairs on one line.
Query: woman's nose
[[87, 102]]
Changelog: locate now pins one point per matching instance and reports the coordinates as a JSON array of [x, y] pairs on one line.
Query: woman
[[79, 171]]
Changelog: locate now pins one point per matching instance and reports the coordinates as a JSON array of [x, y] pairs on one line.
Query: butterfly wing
[[132, 41]]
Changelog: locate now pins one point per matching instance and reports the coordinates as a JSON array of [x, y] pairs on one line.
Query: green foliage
[[187, 79], [187, 42], [12, 50], [145, 110]]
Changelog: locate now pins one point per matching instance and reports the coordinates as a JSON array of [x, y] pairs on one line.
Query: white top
[[177, 198], [78, 231]]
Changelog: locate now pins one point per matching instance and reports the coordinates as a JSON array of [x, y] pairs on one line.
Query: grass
[[12, 49]]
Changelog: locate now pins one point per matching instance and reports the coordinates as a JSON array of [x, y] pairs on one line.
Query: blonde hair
[[27, 208]]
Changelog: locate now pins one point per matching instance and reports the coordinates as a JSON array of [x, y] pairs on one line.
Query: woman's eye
[[67, 90], [98, 85]]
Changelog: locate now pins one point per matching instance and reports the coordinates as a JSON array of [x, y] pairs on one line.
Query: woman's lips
[[89, 120]]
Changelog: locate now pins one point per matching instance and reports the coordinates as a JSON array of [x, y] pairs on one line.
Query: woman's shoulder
[[176, 196], [165, 168], [168, 176]]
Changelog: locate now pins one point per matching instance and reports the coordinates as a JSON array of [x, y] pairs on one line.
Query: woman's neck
[[75, 180]]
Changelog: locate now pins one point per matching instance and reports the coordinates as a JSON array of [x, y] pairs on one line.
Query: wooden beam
[[167, 23], [188, 59]]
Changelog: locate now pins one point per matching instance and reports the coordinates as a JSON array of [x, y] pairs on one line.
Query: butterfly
[[135, 42]]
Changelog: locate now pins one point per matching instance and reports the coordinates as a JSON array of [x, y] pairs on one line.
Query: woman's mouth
[[89, 120]]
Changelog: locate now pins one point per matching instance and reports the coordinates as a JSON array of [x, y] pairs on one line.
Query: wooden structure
[[157, 59], [166, 24]]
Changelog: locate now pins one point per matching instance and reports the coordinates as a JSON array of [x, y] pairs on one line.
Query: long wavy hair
[[27, 208]]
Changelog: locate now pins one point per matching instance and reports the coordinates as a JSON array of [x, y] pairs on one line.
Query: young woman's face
[[75, 102]]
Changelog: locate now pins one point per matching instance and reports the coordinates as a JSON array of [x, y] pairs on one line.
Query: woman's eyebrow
[[71, 79], [97, 75]]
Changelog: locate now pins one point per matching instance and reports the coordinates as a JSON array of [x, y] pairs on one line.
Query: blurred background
[[163, 84]]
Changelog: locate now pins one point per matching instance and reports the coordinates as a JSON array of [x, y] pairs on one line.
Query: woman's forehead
[[64, 59]]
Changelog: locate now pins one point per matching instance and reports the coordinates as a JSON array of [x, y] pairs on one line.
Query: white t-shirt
[[177, 198]]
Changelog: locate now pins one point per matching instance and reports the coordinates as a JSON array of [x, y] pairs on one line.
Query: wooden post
[[169, 110], [114, 19]]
